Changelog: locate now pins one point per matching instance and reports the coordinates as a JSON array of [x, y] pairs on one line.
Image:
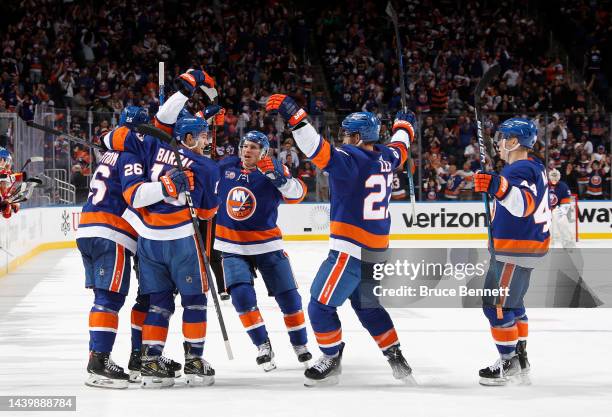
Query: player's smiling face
[[250, 154]]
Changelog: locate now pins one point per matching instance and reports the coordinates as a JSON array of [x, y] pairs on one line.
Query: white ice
[[43, 351]]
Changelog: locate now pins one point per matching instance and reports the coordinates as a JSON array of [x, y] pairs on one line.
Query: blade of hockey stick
[[484, 82]]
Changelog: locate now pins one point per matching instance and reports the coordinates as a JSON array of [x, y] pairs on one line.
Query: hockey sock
[[290, 304], [245, 303], [504, 331], [155, 328], [522, 323], [378, 323], [194, 322], [139, 312], [104, 320], [326, 325]]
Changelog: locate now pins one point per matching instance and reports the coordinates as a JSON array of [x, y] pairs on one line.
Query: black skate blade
[[325, 382]]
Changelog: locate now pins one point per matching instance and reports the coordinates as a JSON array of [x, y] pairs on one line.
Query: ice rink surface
[[43, 351]]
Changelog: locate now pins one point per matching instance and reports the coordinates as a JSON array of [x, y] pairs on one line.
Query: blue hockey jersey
[[102, 213], [360, 183], [246, 220], [169, 218], [521, 221]]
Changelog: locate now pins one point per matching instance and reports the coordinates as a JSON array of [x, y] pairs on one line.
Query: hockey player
[[560, 199], [360, 177], [7, 181], [107, 242], [251, 188], [520, 229], [169, 254]]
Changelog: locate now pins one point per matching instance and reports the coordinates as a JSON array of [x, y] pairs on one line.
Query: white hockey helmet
[[554, 175]]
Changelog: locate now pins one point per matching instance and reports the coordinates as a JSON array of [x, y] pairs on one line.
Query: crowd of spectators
[[90, 62], [585, 29], [446, 50]]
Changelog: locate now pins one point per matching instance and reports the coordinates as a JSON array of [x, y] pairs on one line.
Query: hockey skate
[[303, 355], [154, 372], [265, 356], [104, 373], [326, 370], [521, 351], [401, 370], [502, 372], [198, 372], [224, 296], [135, 364]]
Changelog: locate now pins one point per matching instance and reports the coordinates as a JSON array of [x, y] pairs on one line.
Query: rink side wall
[[34, 230]]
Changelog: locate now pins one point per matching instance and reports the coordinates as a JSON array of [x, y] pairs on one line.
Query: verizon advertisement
[[32, 227]]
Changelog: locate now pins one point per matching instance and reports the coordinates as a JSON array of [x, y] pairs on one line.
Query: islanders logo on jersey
[[241, 203], [552, 197]]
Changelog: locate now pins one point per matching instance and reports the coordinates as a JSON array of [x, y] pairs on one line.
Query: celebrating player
[[251, 188], [520, 230], [560, 199], [169, 255], [360, 177], [107, 242]]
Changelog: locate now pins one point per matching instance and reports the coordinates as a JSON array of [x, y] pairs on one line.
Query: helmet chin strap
[[507, 151]]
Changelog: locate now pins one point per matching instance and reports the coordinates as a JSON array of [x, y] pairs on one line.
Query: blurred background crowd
[[79, 63]]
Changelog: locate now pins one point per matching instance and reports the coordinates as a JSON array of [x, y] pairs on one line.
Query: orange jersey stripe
[[118, 139], [565, 200], [206, 213], [103, 319], [251, 318], [333, 278], [295, 319], [247, 236], [138, 317], [523, 328], [386, 339], [327, 338], [521, 246], [297, 200], [194, 330], [129, 193], [360, 235], [530, 203], [504, 334], [118, 270], [321, 159], [151, 332], [402, 149], [92, 217]]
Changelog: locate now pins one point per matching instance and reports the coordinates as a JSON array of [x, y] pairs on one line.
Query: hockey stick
[[59, 133], [486, 79], [166, 138], [393, 15]]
